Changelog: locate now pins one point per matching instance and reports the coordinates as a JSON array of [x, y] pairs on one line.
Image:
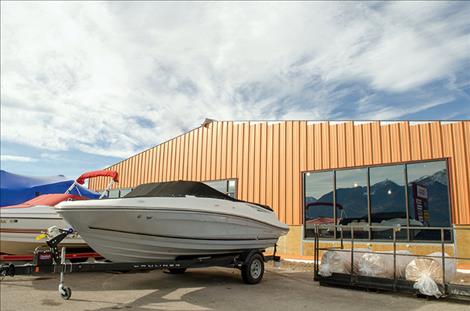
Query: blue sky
[[86, 84]]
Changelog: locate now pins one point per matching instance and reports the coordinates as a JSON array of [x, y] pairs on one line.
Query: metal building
[[368, 172]]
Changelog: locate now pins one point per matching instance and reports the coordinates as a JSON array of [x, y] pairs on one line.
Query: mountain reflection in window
[[351, 195], [428, 199], [318, 202], [388, 200], [382, 191]]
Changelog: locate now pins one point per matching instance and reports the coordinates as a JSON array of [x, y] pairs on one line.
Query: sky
[[86, 84]]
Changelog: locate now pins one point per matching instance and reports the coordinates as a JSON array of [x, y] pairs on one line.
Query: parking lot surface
[[202, 289]]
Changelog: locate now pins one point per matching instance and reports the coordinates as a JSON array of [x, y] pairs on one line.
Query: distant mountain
[[438, 177], [388, 197], [353, 201], [310, 199]]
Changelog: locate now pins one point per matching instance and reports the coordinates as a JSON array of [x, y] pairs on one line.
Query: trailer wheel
[[65, 292], [253, 269], [176, 270]]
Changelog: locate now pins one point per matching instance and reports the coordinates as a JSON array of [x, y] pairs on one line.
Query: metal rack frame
[[396, 284]]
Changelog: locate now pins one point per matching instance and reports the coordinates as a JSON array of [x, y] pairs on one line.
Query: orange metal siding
[[461, 170], [367, 136], [386, 144], [256, 170], [395, 144], [267, 158], [333, 152], [276, 168], [269, 166], [318, 146], [282, 171], [376, 143], [263, 163], [350, 138]]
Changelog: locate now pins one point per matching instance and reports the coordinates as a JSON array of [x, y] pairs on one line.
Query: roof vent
[[207, 121]]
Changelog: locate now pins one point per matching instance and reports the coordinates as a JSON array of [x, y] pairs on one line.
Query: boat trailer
[[52, 259]]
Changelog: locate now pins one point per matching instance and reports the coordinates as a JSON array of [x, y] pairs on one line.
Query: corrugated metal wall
[[267, 158]]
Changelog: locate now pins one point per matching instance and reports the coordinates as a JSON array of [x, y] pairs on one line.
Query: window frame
[[303, 175], [227, 180], [368, 167], [449, 199]]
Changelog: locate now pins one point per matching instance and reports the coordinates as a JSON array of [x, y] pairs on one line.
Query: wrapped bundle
[[335, 261], [381, 265], [426, 272]]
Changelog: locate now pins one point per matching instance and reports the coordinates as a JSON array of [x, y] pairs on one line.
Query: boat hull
[[163, 232], [20, 227]]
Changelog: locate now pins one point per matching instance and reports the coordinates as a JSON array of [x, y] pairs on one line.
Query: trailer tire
[[176, 270], [253, 269]]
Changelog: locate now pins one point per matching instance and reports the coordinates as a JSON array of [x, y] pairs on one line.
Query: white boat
[[163, 221], [21, 224]]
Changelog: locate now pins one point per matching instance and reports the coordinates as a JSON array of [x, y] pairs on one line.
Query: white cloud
[[113, 78], [391, 113], [15, 158], [49, 156]]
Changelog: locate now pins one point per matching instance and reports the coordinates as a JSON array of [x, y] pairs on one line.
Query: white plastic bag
[[381, 265], [426, 272], [331, 262], [339, 261], [426, 286]]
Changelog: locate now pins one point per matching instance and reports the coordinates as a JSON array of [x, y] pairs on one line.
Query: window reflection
[[428, 199], [382, 192], [124, 192], [318, 202], [232, 188], [227, 186], [113, 194], [388, 200], [351, 201]]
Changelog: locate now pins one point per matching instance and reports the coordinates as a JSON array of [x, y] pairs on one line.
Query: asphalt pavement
[[202, 289]]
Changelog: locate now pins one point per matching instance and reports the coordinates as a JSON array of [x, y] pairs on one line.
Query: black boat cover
[[182, 188], [177, 189]]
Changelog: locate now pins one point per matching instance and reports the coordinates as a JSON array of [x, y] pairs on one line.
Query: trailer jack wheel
[[253, 269], [65, 292]]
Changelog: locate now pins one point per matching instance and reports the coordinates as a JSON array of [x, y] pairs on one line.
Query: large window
[[388, 200], [351, 201], [319, 202], [428, 199], [406, 195], [227, 186]]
